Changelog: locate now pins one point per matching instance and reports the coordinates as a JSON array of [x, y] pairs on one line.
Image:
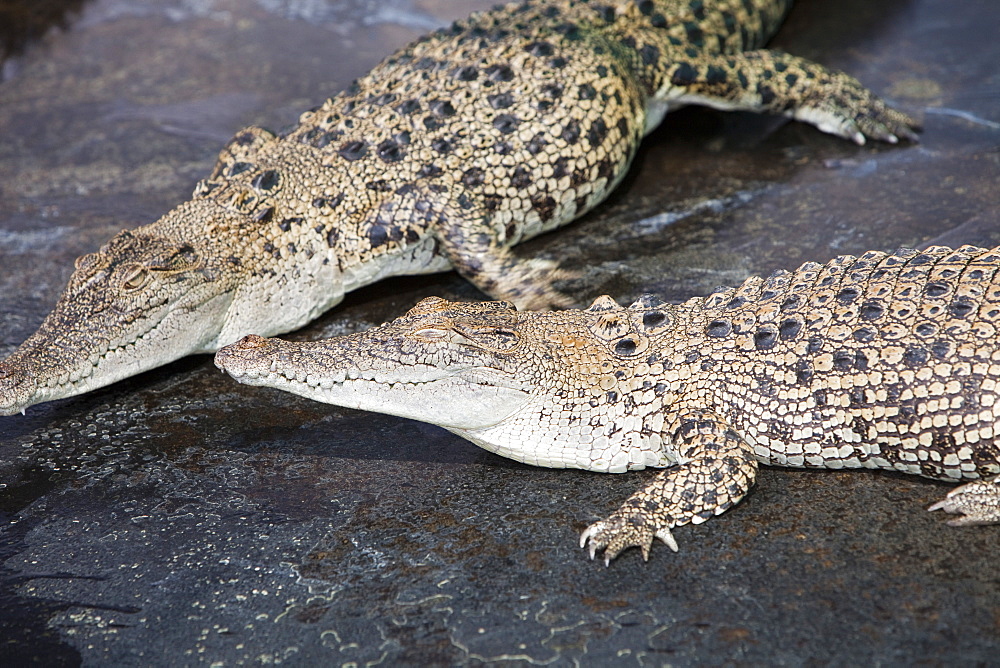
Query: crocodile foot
[[625, 528], [976, 503]]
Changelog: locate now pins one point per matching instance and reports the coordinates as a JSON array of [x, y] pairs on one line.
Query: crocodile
[[448, 153], [882, 361]]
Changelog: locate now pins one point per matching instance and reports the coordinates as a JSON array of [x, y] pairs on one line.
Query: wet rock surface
[[177, 518]]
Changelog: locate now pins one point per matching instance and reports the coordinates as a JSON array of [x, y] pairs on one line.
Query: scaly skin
[[447, 154], [887, 361]]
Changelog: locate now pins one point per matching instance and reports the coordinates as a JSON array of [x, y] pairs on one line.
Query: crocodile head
[[139, 302], [450, 364]]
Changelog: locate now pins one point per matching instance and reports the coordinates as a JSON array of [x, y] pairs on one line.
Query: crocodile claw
[[976, 503], [618, 533]]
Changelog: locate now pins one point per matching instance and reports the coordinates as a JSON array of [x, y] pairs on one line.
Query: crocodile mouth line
[[71, 380]]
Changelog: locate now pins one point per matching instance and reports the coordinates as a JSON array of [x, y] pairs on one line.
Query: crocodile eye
[[135, 278], [431, 333]]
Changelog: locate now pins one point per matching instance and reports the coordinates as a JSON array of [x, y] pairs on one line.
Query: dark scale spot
[[915, 356], [353, 150], [803, 371], [872, 310], [474, 176], [319, 202], [598, 131], [431, 123], [736, 302], [625, 347], [499, 73], [936, 289], [465, 202], [627, 42], [292, 249], [605, 13], [623, 128], [521, 178], [848, 295], [266, 180], [612, 397], [379, 186], [942, 349], [684, 75], [430, 171], [442, 108], [558, 63], [815, 344], [719, 328], [864, 334], [545, 206], [238, 168], [571, 132], [789, 328], [651, 319], [766, 94], [536, 144], [694, 33], [926, 329], [962, 307], [501, 100], [645, 7], [503, 148], [715, 75], [649, 54], [402, 137], [467, 73], [605, 169], [658, 20], [791, 79], [390, 151], [506, 123], [765, 337], [843, 360], [264, 215], [540, 49], [442, 146], [602, 71], [408, 107], [586, 92], [792, 303], [559, 169]]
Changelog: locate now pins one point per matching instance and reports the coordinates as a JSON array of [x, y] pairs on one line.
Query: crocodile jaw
[[459, 399], [59, 361]]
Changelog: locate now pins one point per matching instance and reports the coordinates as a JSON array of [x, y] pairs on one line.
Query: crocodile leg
[[491, 266], [716, 469], [780, 83], [976, 503]]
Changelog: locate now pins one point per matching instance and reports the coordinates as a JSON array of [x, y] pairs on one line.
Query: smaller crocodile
[[883, 361]]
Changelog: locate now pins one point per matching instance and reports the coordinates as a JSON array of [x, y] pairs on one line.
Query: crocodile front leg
[[779, 83], [716, 469], [976, 503]]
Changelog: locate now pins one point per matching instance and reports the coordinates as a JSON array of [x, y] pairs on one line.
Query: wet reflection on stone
[[177, 514]]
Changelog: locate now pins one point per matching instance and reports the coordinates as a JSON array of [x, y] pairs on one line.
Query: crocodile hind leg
[[716, 469], [775, 82], [976, 503]]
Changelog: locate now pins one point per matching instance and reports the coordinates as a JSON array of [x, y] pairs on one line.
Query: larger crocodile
[[448, 153], [883, 361]]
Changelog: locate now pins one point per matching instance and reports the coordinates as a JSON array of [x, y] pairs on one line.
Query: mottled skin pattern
[[447, 154], [885, 361]]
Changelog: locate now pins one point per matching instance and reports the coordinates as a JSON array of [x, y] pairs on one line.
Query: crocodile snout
[[17, 387]]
